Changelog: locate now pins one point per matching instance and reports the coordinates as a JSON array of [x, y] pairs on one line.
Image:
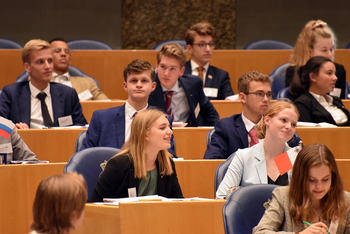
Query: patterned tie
[[169, 95], [200, 72], [133, 116], [44, 111], [253, 136]]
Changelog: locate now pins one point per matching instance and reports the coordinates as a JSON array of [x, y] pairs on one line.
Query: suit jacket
[[277, 217], [107, 128], [340, 73], [219, 80], [246, 168], [311, 110], [15, 103], [230, 135], [21, 151], [118, 177], [80, 84], [193, 87]]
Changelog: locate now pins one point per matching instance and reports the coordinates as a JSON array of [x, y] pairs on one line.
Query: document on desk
[[116, 201]]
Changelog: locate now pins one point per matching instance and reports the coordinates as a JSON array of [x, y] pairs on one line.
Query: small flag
[[6, 127], [210, 77], [285, 161]]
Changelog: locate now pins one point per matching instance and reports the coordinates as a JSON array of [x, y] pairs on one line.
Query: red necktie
[[253, 137], [169, 95]]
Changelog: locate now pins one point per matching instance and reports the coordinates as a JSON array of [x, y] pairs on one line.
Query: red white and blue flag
[[6, 127]]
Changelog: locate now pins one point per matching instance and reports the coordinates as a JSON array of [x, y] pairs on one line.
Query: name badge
[[336, 92], [86, 95], [210, 92], [333, 227], [6, 148], [65, 121], [132, 192], [197, 110]]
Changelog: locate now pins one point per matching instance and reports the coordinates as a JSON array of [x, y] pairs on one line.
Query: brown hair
[[333, 202], [273, 110], [58, 199], [33, 45], [172, 50], [202, 29], [138, 66], [135, 147], [245, 79]]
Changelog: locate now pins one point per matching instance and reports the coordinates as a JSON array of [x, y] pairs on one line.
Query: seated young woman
[[143, 164], [256, 165], [315, 104], [315, 202], [59, 204]]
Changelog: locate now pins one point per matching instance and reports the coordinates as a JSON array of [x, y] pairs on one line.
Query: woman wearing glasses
[[255, 165], [315, 105]]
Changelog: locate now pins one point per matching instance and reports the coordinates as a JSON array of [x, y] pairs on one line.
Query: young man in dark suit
[[200, 44], [38, 103], [180, 95]]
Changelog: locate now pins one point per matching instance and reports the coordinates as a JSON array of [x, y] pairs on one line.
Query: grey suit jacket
[[277, 216], [247, 167]]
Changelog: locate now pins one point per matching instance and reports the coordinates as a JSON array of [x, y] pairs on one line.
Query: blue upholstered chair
[[90, 163], [87, 44], [210, 133], [9, 44], [268, 44], [221, 171], [80, 141], [245, 207], [284, 93], [178, 41], [278, 75], [348, 46], [73, 71]]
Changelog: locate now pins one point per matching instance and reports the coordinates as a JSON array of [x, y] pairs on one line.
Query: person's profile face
[[61, 55], [323, 82], [202, 49], [139, 85], [169, 71], [159, 136], [255, 104], [323, 47], [319, 182], [40, 66]]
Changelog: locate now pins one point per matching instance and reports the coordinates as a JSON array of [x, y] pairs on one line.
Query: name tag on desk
[[86, 95], [210, 92], [65, 121], [6, 148]]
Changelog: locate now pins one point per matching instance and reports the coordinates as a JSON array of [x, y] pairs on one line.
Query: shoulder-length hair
[[58, 200], [135, 147], [273, 110], [333, 202]]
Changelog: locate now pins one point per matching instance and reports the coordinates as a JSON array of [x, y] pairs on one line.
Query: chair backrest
[[268, 44], [284, 93], [348, 46], [87, 44], [90, 163], [210, 133], [221, 171], [178, 41], [347, 90], [80, 141], [9, 44], [245, 207], [73, 71], [278, 75]]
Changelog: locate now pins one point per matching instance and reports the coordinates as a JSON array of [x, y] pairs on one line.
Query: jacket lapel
[[24, 103], [242, 131], [259, 155], [120, 125]]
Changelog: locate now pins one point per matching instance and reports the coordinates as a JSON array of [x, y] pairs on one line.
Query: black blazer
[[118, 177], [311, 110]]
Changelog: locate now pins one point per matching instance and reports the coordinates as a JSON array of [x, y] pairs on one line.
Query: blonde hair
[[135, 147], [273, 110], [33, 45], [58, 199], [172, 50]]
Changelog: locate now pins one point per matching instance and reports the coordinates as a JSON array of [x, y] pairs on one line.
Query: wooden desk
[[90, 106]]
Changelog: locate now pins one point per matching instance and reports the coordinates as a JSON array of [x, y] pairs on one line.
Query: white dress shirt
[[195, 72], [129, 117], [63, 79], [249, 125]]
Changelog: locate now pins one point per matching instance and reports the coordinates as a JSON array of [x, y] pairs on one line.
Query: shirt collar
[[249, 125], [175, 88], [319, 98], [34, 91], [194, 65], [130, 110], [54, 74]]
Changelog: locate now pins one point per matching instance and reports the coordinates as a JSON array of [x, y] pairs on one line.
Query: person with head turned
[[85, 86], [111, 127], [316, 39], [59, 204], [315, 104], [240, 131], [180, 95], [314, 202], [256, 165], [200, 44], [143, 166], [38, 103]]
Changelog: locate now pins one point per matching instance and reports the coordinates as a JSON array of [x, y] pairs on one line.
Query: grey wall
[[284, 19]]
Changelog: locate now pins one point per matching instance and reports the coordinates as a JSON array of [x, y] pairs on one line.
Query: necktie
[[44, 111], [253, 137], [133, 116], [200, 72], [169, 95]]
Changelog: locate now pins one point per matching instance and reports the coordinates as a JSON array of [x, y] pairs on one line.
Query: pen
[[309, 224]]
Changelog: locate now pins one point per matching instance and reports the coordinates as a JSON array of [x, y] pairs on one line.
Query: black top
[[281, 180]]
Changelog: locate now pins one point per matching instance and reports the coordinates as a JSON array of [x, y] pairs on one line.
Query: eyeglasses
[[65, 50], [204, 45], [261, 94]]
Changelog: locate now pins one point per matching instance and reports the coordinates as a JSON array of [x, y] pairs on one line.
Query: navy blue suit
[[15, 103], [107, 128], [220, 80], [193, 87], [230, 135]]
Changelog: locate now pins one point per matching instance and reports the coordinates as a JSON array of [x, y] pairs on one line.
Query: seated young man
[[111, 127], [180, 95]]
